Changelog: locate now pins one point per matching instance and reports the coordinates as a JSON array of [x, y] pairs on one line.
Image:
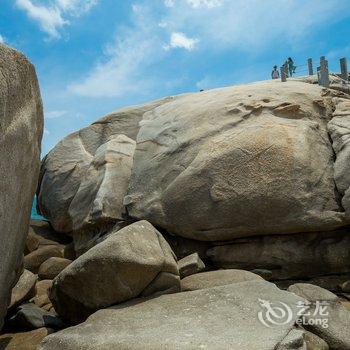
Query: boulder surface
[[217, 318], [216, 278], [82, 172], [302, 255], [133, 261], [236, 162], [21, 126], [325, 307]]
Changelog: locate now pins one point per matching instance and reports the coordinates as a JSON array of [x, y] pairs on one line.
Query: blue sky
[[94, 56]]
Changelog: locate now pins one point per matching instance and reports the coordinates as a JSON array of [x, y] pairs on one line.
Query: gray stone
[[210, 279], [50, 268], [190, 265], [24, 288], [235, 162], [337, 333], [131, 262], [303, 255], [30, 316], [218, 318], [330, 282], [21, 126], [72, 169], [33, 260], [293, 341], [345, 287]]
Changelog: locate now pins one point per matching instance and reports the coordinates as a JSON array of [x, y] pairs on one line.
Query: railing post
[[283, 73], [324, 73], [309, 64], [344, 69]]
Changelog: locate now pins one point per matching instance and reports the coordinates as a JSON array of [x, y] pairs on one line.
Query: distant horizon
[[95, 56]]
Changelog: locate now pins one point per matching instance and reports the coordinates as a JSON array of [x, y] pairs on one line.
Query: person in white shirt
[[275, 73]]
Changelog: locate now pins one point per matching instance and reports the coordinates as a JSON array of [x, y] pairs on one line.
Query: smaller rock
[[293, 341], [345, 287], [131, 262], [265, 274], [312, 293], [24, 289], [30, 316], [41, 298], [33, 260], [40, 234], [313, 342], [190, 265], [210, 279], [24, 341], [50, 268]]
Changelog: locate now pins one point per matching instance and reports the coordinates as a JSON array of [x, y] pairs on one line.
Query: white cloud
[[129, 65], [46, 132], [123, 70], [205, 3], [52, 16], [2, 40], [169, 3], [55, 114], [180, 40], [250, 25]]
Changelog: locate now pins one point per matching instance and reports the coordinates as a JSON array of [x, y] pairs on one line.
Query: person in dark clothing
[[291, 66]]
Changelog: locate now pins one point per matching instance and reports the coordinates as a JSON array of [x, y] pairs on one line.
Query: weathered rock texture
[[339, 130], [21, 124], [24, 288], [337, 333], [216, 278], [190, 265], [216, 318], [131, 262], [23, 341], [84, 178], [304, 255], [235, 162]]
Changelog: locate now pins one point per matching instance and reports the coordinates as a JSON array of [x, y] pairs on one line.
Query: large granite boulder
[[131, 262], [302, 255], [21, 126], [235, 162], [85, 176], [217, 318]]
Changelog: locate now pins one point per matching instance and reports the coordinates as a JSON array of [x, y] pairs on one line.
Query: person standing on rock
[[291, 66], [275, 73]]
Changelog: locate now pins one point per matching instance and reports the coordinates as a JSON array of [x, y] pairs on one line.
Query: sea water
[[35, 215]]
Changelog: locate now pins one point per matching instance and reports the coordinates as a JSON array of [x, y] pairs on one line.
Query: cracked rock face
[[237, 162], [84, 178], [131, 262]]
